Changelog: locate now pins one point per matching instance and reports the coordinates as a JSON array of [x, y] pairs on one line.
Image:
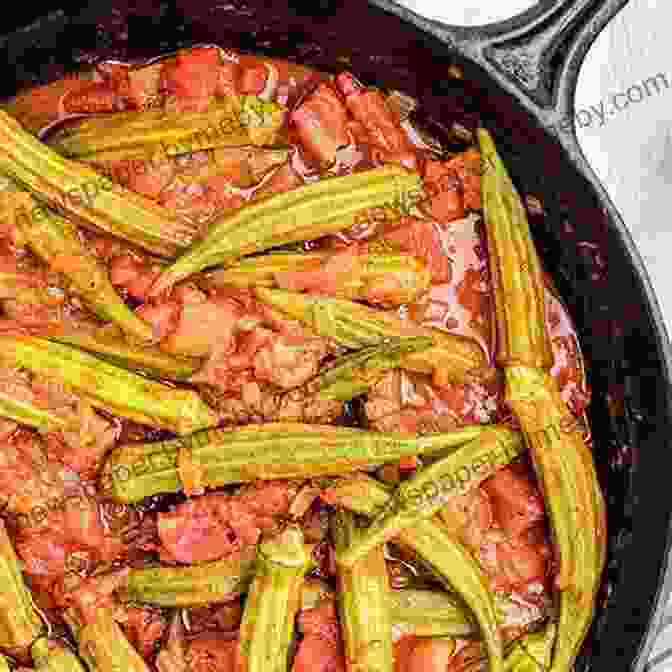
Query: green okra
[[430, 613], [56, 241], [19, 623], [314, 592], [532, 652], [577, 601], [88, 197], [50, 655], [111, 347], [192, 586], [447, 557], [560, 457], [515, 268], [355, 326], [26, 413], [364, 276], [451, 561], [363, 601], [429, 490], [108, 387], [103, 646], [260, 270], [307, 212], [273, 602], [147, 134], [229, 455], [354, 374]]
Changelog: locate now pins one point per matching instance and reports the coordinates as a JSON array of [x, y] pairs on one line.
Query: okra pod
[[314, 592], [358, 281], [363, 602], [450, 560], [50, 655], [259, 271], [151, 133], [429, 613], [578, 489], [55, 240], [26, 413], [103, 646], [354, 326], [110, 346], [447, 557], [19, 623], [218, 457], [515, 268], [430, 489], [272, 603], [88, 197], [108, 387], [310, 211], [532, 652], [354, 374], [562, 461], [192, 586]]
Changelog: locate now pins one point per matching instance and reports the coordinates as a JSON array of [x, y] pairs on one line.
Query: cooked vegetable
[[55, 240], [345, 207], [354, 325], [354, 374], [102, 644], [307, 212], [367, 272], [429, 613], [427, 491], [579, 491], [50, 655], [560, 457], [191, 586], [314, 592], [273, 602], [268, 451], [453, 563], [110, 346], [363, 601], [109, 387], [24, 412], [448, 558], [144, 134], [532, 652], [19, 623], [88, 197]]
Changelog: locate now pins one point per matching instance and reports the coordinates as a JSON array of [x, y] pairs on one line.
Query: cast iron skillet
[[519, 82]]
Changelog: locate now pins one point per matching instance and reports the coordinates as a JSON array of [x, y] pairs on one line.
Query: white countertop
[[634, 47]]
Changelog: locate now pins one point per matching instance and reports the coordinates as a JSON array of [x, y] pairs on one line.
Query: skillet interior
[[582, 245]]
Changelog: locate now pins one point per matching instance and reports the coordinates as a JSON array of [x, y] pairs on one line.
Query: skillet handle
[[535, 55]]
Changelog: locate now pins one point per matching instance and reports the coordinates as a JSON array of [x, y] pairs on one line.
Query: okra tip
[[485, 142], [286, 549]]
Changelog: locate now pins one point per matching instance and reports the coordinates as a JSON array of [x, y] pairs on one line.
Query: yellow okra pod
[[561, 459]]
